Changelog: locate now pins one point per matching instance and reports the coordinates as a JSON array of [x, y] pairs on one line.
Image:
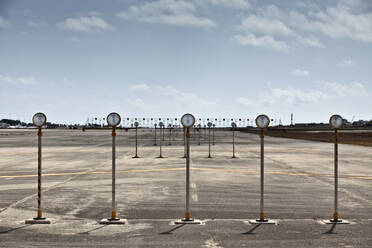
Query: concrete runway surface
[[150, 192]]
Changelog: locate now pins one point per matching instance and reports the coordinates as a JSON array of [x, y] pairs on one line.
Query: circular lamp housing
[[199, 126], [136, 124], [39, 119], [233, 125], [187, 120], [262, 121], [113, 119], [336, 121], [161, 124], [209, 124]]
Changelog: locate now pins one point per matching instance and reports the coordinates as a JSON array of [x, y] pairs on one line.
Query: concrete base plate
[[113, 221], [38, 221], [136, 157], [265, 221], [339, 221], [189, 221]]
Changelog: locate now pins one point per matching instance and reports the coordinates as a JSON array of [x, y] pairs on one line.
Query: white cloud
[[139, 87], [184, 98], [300, 73], [17, 80], [348, 63], [233, 4], [288, 96], [337, 22], [170, 12], [85, 24], [261, 25], [33, 24], [3, 23], [267, 42], [310, 41], [347, 89]]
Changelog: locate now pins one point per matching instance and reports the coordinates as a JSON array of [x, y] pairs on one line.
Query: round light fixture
[[233, 125], [136, 124], [161, 124], [262, 121], [187, 120], [209, 124], [39, 119], [336, 121], [113, 119]]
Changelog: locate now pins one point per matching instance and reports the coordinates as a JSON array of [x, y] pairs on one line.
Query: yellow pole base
[[262, 216], [335, 216], [187, 216], [39, 214], [113, 215]]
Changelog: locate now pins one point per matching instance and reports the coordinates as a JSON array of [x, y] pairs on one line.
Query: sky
[[163, 58]]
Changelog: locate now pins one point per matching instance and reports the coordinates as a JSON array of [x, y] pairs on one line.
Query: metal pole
[[213, 136], [160, 155], [39, 212], [209, 142], [184, 143], [155, 137], [136, 156], [262, 216], [233, 134], [199, 130], [335, 215], [170, 136], [163, 134], [187, 215], [113, 211]]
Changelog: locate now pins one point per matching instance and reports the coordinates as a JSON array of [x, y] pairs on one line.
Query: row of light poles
[[187, 120]]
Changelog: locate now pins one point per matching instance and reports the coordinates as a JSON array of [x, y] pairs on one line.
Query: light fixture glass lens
[[39, 119], [262, 121], [336, 121], [113, 119], [161, 124], [209, 124], [187, 120], [233, 124], [136, 124]]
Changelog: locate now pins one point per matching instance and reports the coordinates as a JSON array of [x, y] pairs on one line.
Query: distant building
[[4, 125]]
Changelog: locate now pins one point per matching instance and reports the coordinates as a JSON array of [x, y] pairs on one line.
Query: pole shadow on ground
[[173, 229], [251, 231], [13, 229], [330, 231]]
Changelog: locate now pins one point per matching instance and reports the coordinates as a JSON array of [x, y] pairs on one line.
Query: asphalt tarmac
[[150, 192]]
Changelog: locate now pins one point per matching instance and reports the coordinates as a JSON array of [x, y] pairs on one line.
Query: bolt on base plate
[[264, 221], [188, 221], [38, 221], [333, 221], [116, 221]]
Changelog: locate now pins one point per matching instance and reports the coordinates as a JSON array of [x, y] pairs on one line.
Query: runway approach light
[[187, 121], [136, 124], [233, 125], [336, 121], [39, 119], [262, 121], [209, 139], [161, 129], [113, 119]]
